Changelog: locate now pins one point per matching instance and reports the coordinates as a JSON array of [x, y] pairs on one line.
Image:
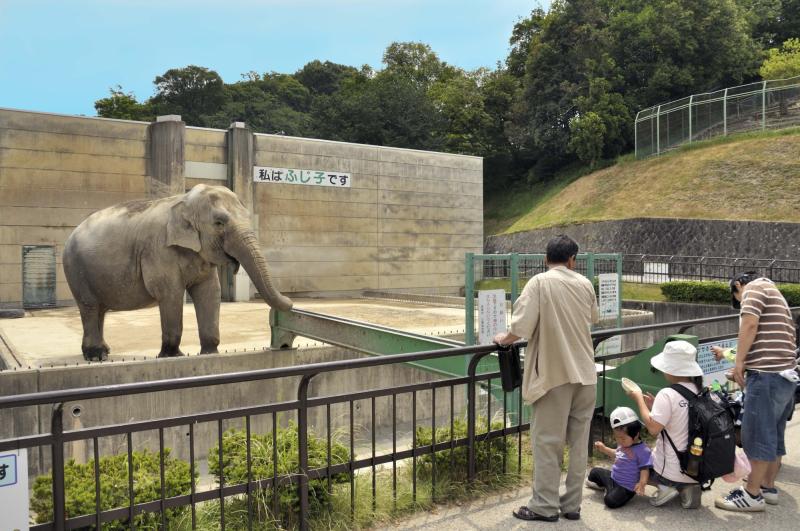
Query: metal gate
[[38, 276]]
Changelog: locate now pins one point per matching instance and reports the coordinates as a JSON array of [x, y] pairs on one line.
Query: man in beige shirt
[[555, 312]]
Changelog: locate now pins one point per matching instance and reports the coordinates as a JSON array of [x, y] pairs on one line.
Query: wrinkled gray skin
[[142, 253]]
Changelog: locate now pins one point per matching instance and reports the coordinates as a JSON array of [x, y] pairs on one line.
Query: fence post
[[690, 117], [590, 267], [57, 430], [471, 405], [302, 447], [636, 136], [469, 299], [725, 113], [764, 105], [658, 130], [514, 277]]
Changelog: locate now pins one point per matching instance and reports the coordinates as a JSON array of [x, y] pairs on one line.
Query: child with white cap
[[668, 414], [632, 461]]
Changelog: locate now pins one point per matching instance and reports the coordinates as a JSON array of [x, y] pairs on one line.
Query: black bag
[[711, 419], [510, 368]]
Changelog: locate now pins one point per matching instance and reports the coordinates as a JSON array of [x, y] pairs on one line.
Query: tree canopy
[[574, 77]]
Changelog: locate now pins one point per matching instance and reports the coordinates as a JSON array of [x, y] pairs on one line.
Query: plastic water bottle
[[695, 456]]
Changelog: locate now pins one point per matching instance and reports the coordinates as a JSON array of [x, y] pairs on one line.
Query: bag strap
[[684, 391], [674, 448]]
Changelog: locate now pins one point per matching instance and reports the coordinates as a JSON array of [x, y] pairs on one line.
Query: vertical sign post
[[491, 313], [14, 490]]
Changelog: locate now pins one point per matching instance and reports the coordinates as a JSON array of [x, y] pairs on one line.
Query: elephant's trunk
[[243, 245]]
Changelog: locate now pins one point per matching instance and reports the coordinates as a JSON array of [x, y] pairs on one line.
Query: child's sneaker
[[740, 500], [690, 496], [663, 495], [770, 495], [594, 486]]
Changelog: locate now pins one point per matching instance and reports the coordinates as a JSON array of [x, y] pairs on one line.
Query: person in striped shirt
[[765, 369]]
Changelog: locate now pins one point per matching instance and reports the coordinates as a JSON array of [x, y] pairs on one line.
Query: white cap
[[622, 416], [679, 358]]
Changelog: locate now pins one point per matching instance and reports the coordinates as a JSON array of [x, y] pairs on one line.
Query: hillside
[[746, 177]]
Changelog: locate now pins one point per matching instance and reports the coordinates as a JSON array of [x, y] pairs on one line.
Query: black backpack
[[711, 419]]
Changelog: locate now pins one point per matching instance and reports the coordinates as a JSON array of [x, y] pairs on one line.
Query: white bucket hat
[[679, 358]]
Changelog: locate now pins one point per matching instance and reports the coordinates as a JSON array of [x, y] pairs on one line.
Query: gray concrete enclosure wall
[[404, 224], [683, 237]]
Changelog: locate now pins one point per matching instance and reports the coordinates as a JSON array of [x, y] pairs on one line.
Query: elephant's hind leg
[[206, 297], [93, 346], [171, 309]]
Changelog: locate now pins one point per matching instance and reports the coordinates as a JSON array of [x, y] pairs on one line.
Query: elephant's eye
[[219, 223]]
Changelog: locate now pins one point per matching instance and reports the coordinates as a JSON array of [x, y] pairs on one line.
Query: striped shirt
[[773, 348]]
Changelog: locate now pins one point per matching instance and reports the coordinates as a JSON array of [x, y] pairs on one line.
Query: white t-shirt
[[671, 410]]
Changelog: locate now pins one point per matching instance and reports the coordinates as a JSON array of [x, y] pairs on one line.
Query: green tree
[[416, 62], [782, 63], [465, 122], [194, 92], [586, 140], [324, 78], [123, 105]]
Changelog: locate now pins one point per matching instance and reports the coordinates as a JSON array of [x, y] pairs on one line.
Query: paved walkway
[[495, 512]]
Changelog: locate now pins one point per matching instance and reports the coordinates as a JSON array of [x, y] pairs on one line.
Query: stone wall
[[683, 237]]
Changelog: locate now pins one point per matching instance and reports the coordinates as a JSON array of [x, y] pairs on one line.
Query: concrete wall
[[405, 223], [55, 171], [683, 237], [120, 410], [667, 312]]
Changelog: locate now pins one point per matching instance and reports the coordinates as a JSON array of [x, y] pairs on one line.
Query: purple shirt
[[626, 467]]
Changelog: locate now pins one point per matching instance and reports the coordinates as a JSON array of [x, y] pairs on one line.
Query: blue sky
[[61, 55]]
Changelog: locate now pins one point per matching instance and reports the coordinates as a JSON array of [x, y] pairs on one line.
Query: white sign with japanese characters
[[491, 314], [14, 490], [268, 174]]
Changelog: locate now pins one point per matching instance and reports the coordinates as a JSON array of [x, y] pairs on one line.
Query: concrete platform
[[495, 512], [46, 337]]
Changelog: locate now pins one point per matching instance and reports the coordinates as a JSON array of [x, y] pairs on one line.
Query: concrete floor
[[54, 336], [495, 512]]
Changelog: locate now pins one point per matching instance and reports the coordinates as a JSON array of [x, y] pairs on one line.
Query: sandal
[[523, 513]]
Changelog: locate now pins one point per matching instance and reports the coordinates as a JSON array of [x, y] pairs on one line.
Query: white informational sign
[[713, 369], [14, 490], [491, 314], [608, 308], [608, 301], [268, 174]]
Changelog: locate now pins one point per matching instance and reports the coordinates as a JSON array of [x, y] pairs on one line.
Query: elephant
[[146, 252]]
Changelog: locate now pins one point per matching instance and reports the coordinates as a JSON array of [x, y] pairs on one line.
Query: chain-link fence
[[762, 105], [655, 269]]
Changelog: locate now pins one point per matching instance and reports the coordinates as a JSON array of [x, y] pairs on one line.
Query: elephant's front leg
[[171, 309], [206, 297]]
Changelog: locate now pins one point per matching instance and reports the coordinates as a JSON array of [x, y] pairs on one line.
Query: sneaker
[[594, 486], [740, 500], [770, 495], [663, 495], [690, 496]]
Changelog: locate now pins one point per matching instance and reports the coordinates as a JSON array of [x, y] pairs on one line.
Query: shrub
[[234, 453], [487, 453], [703, 291], [79, 485], [715, 292]]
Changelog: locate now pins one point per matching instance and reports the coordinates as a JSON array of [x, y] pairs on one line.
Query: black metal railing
[[58, 437]]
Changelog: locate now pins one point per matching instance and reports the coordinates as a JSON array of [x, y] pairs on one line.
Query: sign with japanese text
[[266, 174], [14, 490], [608, 307], [491, 314]]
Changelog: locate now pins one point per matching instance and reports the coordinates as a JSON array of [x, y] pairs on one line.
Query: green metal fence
[[762, 105]]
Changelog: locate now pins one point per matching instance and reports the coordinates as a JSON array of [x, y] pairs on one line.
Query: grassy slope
[[753, 177]]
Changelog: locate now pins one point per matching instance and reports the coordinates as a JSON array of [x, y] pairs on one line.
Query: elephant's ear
[[179, 231]]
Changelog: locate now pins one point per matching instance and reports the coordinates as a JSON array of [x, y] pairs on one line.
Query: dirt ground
[[54, 336]]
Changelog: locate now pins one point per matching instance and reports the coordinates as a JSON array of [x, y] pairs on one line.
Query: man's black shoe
[[572, 516], [523, 513]]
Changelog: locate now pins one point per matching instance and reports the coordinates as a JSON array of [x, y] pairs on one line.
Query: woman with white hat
[[668, 412]]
